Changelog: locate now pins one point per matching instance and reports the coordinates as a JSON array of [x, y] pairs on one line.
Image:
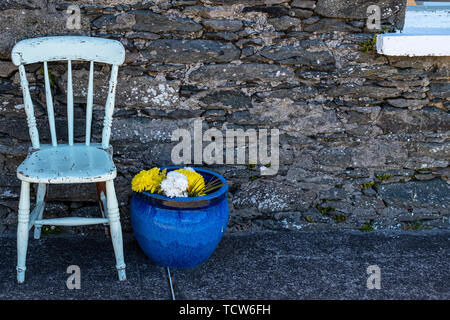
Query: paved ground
[[264, 265]]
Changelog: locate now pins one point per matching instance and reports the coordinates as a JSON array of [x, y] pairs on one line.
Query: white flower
[[189, 169], [175, 185]]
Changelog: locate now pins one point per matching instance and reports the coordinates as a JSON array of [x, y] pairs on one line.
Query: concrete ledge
[[426, 32], [419, 42]]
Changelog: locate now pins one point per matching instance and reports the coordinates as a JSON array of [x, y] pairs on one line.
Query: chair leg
[[22, 230], [116, 229], [41, 194], [101, 195]]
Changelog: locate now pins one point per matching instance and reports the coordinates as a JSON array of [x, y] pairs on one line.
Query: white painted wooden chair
[[72, 162]]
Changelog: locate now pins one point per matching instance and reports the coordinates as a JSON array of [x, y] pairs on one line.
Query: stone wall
[[364, 142]]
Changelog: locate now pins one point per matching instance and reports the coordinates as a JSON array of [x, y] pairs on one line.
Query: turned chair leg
[[22, 230], [116, 229], [40, 196], [101, 196]]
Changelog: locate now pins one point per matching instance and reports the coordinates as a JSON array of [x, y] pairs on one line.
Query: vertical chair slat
[[49, 100], [69, 102], [34, 135], [109, 108], [90, 99]]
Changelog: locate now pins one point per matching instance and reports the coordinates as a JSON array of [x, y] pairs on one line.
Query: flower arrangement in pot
[[179, 214]]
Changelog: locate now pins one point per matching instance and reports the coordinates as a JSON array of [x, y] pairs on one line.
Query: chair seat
[[68, 164]]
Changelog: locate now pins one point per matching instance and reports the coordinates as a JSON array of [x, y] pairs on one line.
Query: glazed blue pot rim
[[223, 189]]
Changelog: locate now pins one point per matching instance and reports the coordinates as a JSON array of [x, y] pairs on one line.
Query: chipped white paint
[[109, 108], [34, 135], [71, 221], [40, 197], [68, 48], [116, 230], [69, 103], [67, 163], [49, 100], [22, 230], [104, 209], [89, 103], [38, 209]]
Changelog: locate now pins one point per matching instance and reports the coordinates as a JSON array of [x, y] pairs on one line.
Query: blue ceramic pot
[[180, 232]]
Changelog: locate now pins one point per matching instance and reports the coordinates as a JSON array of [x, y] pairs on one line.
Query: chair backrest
[[68, 48]]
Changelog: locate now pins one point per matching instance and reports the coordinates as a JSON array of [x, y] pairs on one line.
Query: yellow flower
[[196, 183], [148, 180]]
